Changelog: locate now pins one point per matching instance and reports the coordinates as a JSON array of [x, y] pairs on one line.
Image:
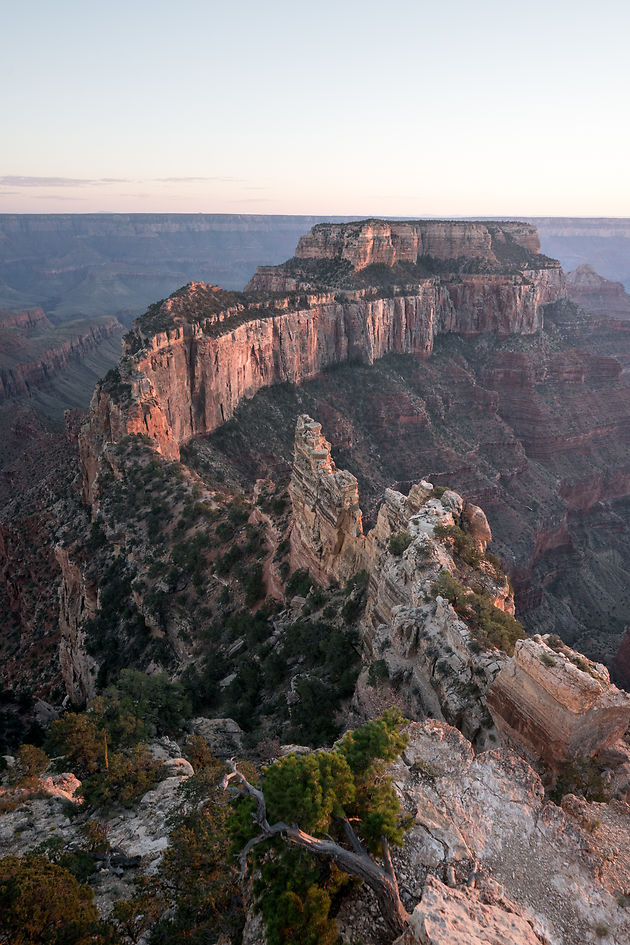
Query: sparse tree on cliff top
[[338, 805]]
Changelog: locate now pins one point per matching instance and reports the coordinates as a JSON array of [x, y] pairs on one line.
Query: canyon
[[487, 855], [218, 350], [451, 353], [34, 352]]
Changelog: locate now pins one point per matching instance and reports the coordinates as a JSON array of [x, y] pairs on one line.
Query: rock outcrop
[[483, 916], [191, 360], [428, 650], [556, 703], [385, 243], [597, 295], [78, 602], [482, 825], [327, 537]]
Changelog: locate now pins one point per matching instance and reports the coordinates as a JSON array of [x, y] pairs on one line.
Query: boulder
[[225, 736]]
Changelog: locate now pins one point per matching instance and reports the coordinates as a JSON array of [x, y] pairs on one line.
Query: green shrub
[[42, 903], [463, 544], [490, 626], [254, 585], [294, 891], [30, 763], [299, 584], [378, 673], [128, 777], [399, 543], [582, 777], [83, 742]]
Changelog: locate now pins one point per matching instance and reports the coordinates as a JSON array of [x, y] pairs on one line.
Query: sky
[[399, 108]]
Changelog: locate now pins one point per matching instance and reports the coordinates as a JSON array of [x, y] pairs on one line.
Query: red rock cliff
[[371, 242], [188, 379]]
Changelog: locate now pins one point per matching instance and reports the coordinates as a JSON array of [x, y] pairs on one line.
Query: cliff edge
[[368, 289]]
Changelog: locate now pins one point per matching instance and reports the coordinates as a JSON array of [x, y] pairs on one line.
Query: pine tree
[[338, 805]]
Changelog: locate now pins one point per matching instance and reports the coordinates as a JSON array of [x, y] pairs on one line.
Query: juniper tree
[[338, 805]]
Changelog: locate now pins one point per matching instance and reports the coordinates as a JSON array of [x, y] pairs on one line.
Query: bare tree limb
[[354, 841], [356, 862]]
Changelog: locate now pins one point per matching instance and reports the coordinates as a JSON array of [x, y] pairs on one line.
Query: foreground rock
[[557, 703], [475, 916], [485, 816]]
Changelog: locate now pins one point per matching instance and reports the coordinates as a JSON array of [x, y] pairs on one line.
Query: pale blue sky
[[346, 107]]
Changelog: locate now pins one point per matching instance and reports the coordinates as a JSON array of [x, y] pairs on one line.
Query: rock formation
[[597, 295], [385, 243], [427, 648], [327, 537], [483, 916], [557, 703], [483, 827], [190, 361]]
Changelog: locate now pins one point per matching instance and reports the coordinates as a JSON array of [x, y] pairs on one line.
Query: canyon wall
[[597, 295], [187, 379], [33, 351]]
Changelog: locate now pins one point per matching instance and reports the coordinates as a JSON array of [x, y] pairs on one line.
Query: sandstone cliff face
[[373, 242], [556, 703], [327, 536], [187, 380]]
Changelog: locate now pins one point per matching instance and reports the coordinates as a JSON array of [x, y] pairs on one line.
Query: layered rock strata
[[596, 294], [386, 243], [32, 350], [427, 649], [557, 703], [191, 361]]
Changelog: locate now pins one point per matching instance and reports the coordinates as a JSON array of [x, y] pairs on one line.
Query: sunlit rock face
[[327, 537], [483, 916], [491, 860], [557, 703], [191, 361], [381, 242]]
